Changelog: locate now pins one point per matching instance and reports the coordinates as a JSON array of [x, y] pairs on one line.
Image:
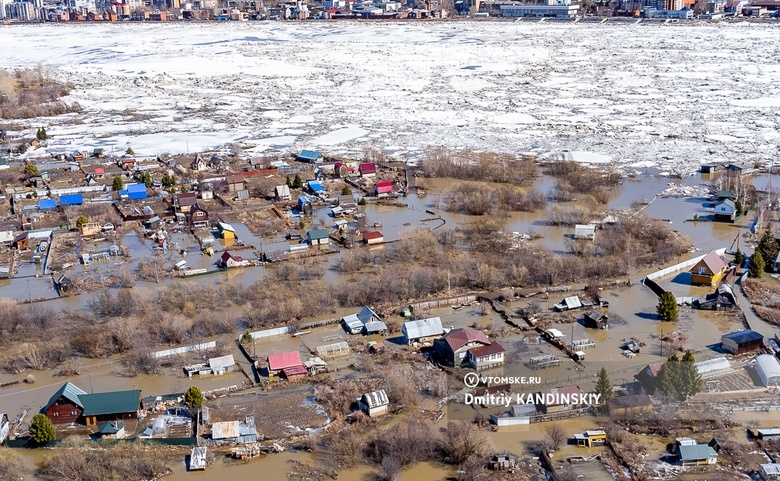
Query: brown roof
[[493, 348], [187, 199], [234, 178], [714, 262], [458, 338], [638, 400]]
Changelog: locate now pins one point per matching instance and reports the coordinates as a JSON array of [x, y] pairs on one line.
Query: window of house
[[702, 270], [55, 414], [74, 413]]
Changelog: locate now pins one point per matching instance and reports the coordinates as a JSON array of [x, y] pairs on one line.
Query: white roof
[[282, 190], [219, 363], [422, 328], [712, 365], [768, 368], [771, 468], [572, 302], [585, 227], [225, 226], [554, 333], [376, 398]]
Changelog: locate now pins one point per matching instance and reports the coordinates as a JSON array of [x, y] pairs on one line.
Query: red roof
[[494, 348], [458, 338], [284, 360], [99, 170], [383, 187], [227, 255], [372, 235], [367, 168]]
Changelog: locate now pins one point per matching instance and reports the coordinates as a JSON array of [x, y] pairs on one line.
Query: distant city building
[[25, 11], [552, 9]]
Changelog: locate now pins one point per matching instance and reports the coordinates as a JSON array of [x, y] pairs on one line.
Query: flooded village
[[308, 316]]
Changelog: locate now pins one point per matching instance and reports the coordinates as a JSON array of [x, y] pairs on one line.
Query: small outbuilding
[[591, 438], [629, 405], [374, 403], [725, 211], [282, 192], [317, 237], [311, 156], [697, 455], [367, 169], [768, 370], [373, 237], [596, 320], [770, 471], [585, 231], [111, 430], [742, 341]]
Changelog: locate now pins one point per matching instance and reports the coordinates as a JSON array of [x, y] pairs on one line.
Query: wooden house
[[620, 406], [585, 231], [485, 357], [709, 271], [375, 403], [234, 182], [282, 192], [563, 399], [310, 156], [742, 341], [422, 330], [21, 242], [648, 377], [199, 217], [452, 348], [226, 231], [71, 404], [725, 211], [367, 169], [184, 202], [596, 320], [383, 189], [373, 237], [696, 455]]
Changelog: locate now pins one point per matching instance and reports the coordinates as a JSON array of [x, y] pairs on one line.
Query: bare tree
[[555, 436]]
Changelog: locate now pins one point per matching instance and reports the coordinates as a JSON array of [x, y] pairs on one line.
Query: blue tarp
[[316, 186], [136, 191], [72, 199], [47, 204]]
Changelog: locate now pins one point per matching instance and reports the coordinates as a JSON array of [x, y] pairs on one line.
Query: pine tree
[[346, 190], [118, 183], [669, 378], [289, 181], [690, 379], [42, 430], [130, 151], [739, 258], [768, 246], [757, 264], [667, 307], [297, 182], [603, 387]]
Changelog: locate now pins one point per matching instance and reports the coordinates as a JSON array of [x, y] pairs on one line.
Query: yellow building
[[709, 271]]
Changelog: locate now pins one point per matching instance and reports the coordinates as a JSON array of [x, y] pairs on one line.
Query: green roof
[[111, 402], [696, 452], [69, 391], [111, 427], [318, 234]]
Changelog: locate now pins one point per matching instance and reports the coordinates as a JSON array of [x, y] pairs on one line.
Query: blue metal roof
[[136, 188], [309, 155], [47, 204], [744, 336], [316, 186], [72, 199]]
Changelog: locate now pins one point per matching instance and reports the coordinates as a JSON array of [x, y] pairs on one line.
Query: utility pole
[[662, 342]]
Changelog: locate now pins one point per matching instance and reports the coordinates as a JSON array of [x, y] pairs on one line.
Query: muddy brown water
[[635, 304]]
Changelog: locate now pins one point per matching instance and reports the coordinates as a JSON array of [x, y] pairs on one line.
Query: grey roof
[[366, 315], [219, 363], [744, 336], [696, 451], [771, 468], [422, 328], [729, 203], [224, 430], [375, 399], [375, 326]]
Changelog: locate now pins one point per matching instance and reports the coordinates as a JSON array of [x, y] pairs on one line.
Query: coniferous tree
[[757, 264], [603, 387], [768, 247], [667, 307], [691, 382], [669, 378], [739, 258]]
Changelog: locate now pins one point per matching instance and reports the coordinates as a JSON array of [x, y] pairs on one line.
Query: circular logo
[[471, 379]]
